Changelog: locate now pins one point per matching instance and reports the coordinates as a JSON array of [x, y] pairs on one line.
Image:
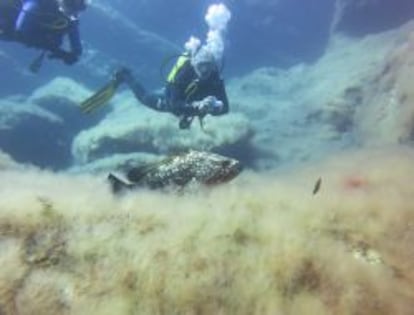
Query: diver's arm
[[176, 102]]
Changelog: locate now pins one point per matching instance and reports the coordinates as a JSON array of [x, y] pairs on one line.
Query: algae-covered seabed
[[262, 244]]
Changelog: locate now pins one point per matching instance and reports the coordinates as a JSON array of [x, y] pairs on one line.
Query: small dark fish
[[317, 186], [180, 170]]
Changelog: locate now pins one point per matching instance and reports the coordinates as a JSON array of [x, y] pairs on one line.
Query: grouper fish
[[178, 171]]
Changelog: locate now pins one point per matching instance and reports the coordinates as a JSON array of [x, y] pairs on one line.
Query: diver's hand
[[208, 105]]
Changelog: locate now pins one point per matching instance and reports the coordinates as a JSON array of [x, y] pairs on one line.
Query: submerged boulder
[[30, 134], [134, 128], [39, 129], [62, 97]]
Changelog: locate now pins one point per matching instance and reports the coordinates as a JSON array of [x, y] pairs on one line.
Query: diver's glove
[[208, 105]]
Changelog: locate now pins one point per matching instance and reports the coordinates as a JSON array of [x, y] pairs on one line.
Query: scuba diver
[[43, 24], [193, 89]]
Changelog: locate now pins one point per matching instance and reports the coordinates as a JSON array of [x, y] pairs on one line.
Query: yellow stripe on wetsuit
[[177, 67], [181, 61]]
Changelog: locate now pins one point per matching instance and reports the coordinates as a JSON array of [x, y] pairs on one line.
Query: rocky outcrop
[[7, 162], [132, 127], [361, 17], [358, 93], [31, 134], [387, 114], [39, 129], [11, 72]]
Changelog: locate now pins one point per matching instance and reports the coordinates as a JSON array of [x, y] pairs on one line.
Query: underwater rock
[[193, 167], [307, 111], [132, 128], [11, 72], [337, 114], [31, 134], [61, 87], [386, 114], [362, 17], [115, 162], [62, 97], [40, 129], [7, 162]]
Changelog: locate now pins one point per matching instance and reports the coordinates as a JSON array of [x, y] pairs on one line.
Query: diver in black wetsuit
[[194, 89], [44, 24]]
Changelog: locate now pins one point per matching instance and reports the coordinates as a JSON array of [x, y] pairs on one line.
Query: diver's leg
[[155, 101], [152, 100], [26, 25]]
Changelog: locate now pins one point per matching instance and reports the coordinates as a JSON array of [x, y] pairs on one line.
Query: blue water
[[261, 33]]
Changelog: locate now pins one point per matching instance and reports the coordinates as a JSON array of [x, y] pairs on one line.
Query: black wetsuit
[[40, 24], [185, 89]]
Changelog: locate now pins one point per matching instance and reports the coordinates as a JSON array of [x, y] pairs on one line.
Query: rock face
[[48, 129], [11, 72], [387, 114], [358, 93], [360, 17], [131, 127], [30, 133], [7, 162], [40, 129]]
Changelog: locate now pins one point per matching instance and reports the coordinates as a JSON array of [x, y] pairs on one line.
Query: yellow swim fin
[[100, 98]]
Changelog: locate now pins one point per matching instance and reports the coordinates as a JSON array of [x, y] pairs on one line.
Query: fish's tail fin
[[117, 184]]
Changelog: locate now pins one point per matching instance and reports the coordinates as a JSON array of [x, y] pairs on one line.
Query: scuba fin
[[100, 98], [37, 62]]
